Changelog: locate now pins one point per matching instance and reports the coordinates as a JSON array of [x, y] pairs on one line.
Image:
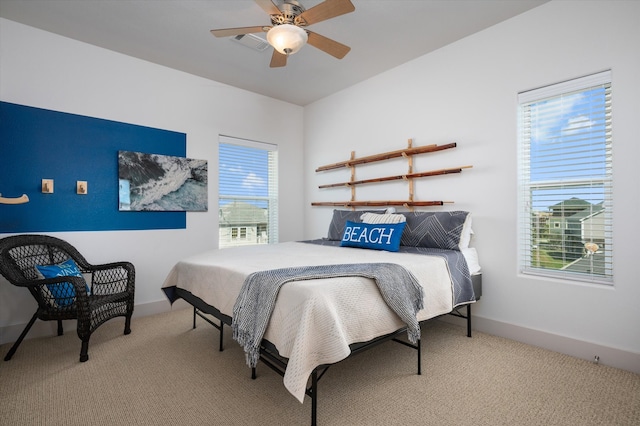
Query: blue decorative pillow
[[379, 236], [63, 293], [435, 229]]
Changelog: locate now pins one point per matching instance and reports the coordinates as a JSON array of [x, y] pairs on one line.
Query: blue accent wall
[[38, 144]]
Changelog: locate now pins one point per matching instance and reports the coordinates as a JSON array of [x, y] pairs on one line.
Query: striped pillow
[[382, 218]]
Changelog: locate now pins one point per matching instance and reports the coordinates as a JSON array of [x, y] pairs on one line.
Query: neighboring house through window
[[248, 192], [565, 180]]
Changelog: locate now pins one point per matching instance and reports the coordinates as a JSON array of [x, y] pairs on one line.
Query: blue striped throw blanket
[[253, 308]]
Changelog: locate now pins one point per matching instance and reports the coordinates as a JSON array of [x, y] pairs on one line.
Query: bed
[[316, 322]]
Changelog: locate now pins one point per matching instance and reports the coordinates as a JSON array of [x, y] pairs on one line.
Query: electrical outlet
[[47, 186], [81, 187]]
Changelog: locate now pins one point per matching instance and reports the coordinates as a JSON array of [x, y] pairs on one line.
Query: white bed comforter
[[314, 321]]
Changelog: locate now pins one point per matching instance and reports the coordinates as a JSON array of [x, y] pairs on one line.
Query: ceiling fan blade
[[269, 7], [278, 59], [227, 32], [327, 10], [327, 45]]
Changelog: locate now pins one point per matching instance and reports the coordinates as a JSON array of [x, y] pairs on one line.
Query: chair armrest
[[128, 266], [54, 293], [79, 283], [111, 278]]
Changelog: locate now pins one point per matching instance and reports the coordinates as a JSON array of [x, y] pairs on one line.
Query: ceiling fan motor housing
[[291, 11]]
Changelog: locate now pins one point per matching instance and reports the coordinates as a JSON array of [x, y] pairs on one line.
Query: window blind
[[247, 191], [565, 180]]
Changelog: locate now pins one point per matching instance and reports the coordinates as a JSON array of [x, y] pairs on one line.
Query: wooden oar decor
[[381, 203], [386, 156], [398, 177]]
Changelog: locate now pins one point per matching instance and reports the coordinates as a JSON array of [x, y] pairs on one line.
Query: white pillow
[[382, 218], [471, 256], [465, 235]]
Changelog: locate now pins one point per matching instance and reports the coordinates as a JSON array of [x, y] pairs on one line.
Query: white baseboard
[[10, 333], [612, 357]]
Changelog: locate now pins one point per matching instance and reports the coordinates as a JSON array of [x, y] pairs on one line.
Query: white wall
[[44, 70], [466, 93]]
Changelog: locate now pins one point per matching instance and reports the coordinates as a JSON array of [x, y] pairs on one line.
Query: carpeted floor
[[166, 373]]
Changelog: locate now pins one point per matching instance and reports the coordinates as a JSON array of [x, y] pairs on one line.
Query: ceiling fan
[[288, 34]]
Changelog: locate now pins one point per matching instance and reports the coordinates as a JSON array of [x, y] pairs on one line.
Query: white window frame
[[531, 221]]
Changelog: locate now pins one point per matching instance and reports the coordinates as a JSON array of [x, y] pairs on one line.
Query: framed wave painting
[[154, 182]]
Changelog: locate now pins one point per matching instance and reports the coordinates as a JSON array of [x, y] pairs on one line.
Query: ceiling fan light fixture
[[287, 38]]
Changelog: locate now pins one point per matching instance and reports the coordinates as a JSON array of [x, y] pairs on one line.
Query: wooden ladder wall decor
[[407, 153]]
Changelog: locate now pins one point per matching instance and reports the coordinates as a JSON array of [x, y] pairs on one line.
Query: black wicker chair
[[101, 293]]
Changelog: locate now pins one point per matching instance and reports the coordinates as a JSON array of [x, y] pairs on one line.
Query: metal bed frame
[[269, 353]]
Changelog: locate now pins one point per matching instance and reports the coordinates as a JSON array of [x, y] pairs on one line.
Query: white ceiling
[[382, 34]]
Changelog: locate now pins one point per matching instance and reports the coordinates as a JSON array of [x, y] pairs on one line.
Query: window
[[248, 192], [565, 180]]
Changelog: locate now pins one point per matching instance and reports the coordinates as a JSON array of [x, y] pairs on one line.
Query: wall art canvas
[[154, 182]]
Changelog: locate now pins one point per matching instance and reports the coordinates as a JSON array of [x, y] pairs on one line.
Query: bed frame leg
[[419, 357], [468, 319], [253, 373], [314, 397], [221, 347], [220, 327]]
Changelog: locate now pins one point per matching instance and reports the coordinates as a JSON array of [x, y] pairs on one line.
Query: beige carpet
[[166, 373]]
